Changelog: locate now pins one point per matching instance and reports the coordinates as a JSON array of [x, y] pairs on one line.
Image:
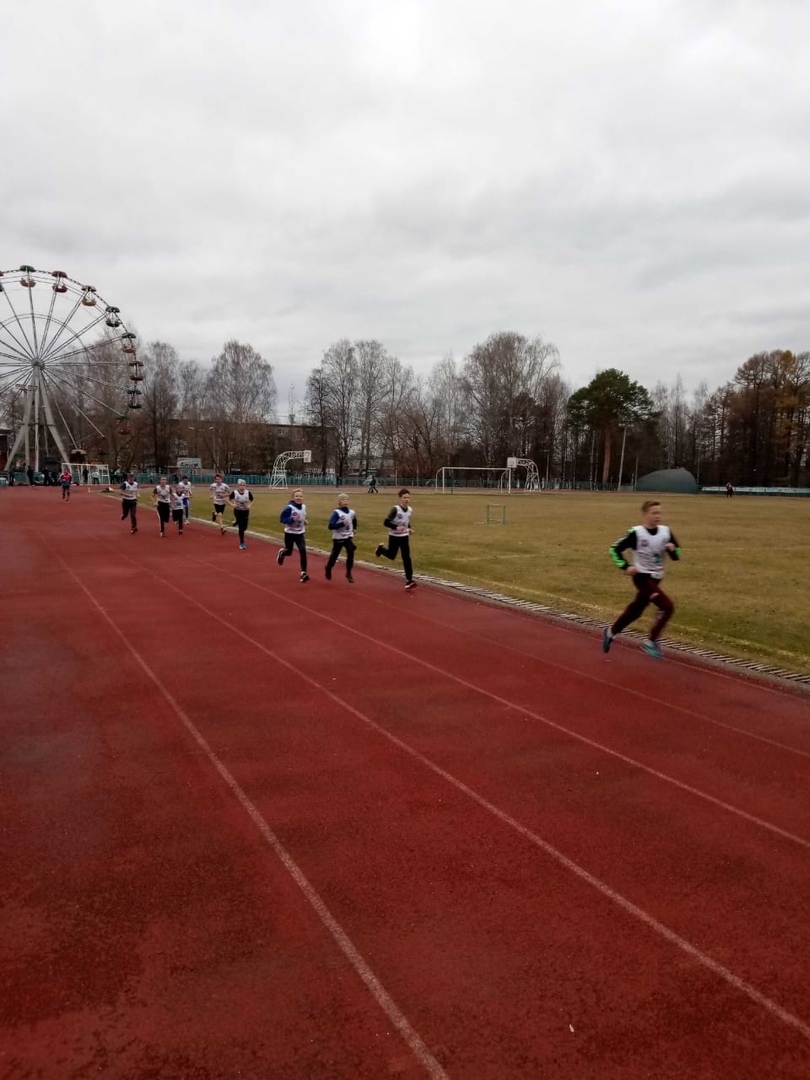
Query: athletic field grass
[[741, 587]]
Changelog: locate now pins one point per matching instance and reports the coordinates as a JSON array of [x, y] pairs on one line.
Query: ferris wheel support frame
[[36, 390]]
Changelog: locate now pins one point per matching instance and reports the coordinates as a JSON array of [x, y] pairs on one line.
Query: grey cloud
[[625, 178]]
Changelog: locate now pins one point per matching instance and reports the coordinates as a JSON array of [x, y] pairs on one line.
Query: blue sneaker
[[242, 547], [651, 649], [607, 639]]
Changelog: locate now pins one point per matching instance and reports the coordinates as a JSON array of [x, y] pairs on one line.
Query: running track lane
[[492, 948]]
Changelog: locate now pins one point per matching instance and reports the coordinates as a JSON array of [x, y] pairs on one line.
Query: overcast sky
[[627, 178]]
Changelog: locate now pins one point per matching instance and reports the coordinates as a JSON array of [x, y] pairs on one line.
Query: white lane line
[[345, 944], [621, 688], [622, 902], [443, 673]]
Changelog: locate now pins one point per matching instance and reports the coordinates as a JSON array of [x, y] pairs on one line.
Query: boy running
[[178, 507], [294, 519], [162, 498], [129, 501], [399, 528], [240, 500], [342, 525], [219, 497], [184, 490], [650, 541]]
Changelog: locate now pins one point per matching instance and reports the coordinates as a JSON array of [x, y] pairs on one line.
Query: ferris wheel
[[69, 372]]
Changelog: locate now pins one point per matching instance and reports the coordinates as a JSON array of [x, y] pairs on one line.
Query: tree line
[[365, 411]]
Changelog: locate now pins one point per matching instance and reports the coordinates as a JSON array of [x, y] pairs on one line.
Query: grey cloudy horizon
[[627, 179]]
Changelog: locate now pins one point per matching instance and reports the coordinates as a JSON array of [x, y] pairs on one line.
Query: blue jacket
[[286, 513]]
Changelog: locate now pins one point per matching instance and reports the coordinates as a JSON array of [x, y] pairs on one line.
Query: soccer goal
[[91, 473], [452, 478]]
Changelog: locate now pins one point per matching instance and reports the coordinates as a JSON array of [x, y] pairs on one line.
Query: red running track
[[254, 828]]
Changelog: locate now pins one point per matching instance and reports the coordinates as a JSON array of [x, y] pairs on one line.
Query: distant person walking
[[729, 491], [29, 472], [372, 485], [398, 523], [65, 480], [650, 542]]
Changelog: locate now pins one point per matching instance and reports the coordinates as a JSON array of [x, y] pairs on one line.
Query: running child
[[184, 489], [178, 507], [162, 498], [399, 528], [294, 519], [65, 480], [240, 500], [129, 501], [219, 496], [343, 525], [649, 541]]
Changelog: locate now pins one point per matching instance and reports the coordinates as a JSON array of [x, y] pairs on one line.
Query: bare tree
[[332, 399], [373, 367], [317, 411], [498, 377], [241, 395], [392, 428], [160, 402]]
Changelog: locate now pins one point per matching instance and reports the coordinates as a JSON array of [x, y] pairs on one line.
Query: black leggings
[[164, 513], [129, 508], [648, 591], [350, 546], [296, 540], [397, 544], [241, 519]]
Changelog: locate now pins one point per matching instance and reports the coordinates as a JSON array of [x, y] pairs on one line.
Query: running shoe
[[607, 639], [328, 572], [304, 576], [410, 584], [243, 547], [651, 648], [280, 556], [379, 551], [350, 579]]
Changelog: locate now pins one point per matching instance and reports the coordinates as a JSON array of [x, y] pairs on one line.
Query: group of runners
[[650, 542], [172, 502]]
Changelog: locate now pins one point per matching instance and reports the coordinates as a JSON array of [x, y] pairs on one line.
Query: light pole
[[621, 459]]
